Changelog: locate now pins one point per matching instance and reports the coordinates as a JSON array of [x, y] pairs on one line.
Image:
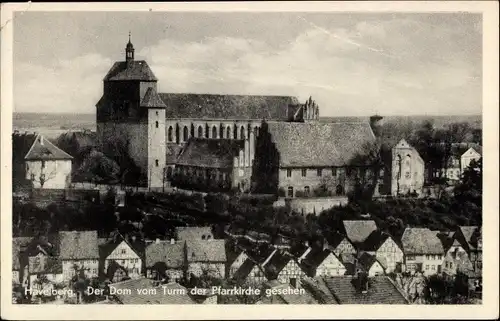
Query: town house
[[283, 267], [165, 260], [369, 264], [339, 244], [470, 237], [79, 250], [250, 273], [206, 257], [387, 251], [322, 262], [123, 256], [423, 251]]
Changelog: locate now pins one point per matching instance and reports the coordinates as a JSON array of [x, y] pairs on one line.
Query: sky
[[352, 64]]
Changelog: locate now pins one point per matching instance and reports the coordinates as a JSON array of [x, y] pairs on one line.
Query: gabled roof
[[213, 153], [315, 258], [276, 264], [165, 252], [366, 261], [374, 241], [43, 149], [334, 239], [78, 245], [245, 269], [210, 106], [190, 233], [380, 291], [233, 251], [206, 251], [319, 144], [106, 248], [133, 70], [152, 99], [421, 241], [358, 231]]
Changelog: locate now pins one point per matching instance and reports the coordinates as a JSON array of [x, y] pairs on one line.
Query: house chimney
[[172, 241]]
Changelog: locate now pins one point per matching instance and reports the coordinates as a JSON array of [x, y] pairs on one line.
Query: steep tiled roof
[[43, 149], [18, 246], [318, 290], [358, 231], [152, 99], [421, 241], [76, 245], [232, 251], [192, 232], [334, 239], [172, 151], [374, 241], [206, 251], [170, 254], [214, 153], [468, 233], [106, 247], [133, 70], [245, 269], [276, 264], [380, 291], [208, 106], [319, 144], [314, 259]]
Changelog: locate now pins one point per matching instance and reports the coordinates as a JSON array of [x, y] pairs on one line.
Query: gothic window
[[290, 191], [235, 132], [228, 132], [170, 134], [221, 132], [214, 132], [242, 132], [186, 133]]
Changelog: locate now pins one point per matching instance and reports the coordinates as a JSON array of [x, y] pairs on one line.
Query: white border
[[489, 308]]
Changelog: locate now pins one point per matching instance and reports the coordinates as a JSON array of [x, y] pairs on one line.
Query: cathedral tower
[[131, 119]]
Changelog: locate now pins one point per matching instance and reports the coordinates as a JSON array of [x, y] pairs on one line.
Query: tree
[[97, 168]]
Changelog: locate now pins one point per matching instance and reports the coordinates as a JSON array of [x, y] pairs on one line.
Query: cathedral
[[271, 144]]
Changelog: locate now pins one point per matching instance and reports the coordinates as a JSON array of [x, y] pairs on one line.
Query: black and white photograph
[[169, 157]]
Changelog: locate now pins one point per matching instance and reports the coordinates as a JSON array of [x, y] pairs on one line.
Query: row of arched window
[[205, 132]]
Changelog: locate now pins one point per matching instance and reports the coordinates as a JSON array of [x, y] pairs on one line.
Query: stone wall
[[311, 205]]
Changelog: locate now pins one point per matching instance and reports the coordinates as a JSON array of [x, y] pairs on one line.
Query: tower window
[[157, 124], [156, 113], [157, 163], [170, 133], [288, 173]]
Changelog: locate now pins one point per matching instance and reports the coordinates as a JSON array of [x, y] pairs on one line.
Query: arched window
[[235, 132], [203, 237], [339, 190], [306, 190], [221, 135], [200, 131], [170, 134], [256, 131], [290, 191], [242, 132], [186, 133], [214, 132], [228, 132]]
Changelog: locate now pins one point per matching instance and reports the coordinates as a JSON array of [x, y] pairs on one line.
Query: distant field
[[54, 124]]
